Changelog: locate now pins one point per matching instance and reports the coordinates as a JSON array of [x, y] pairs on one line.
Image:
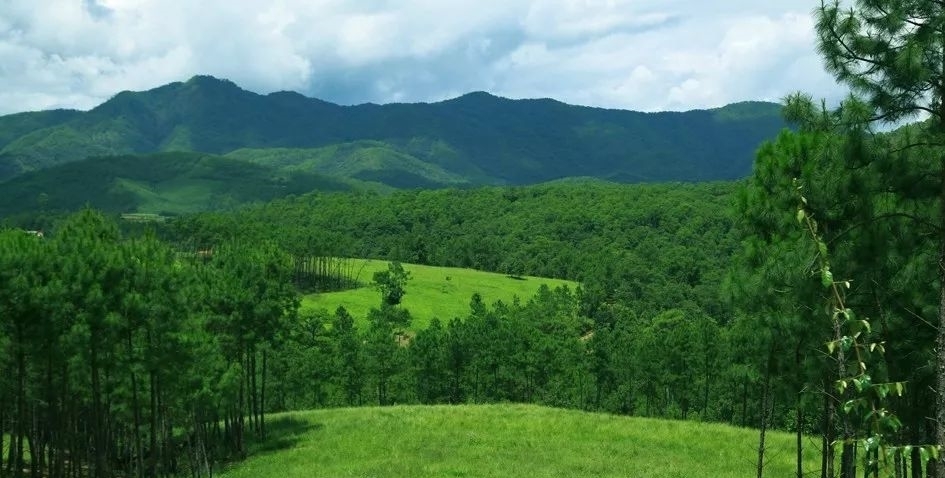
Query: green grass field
[[504, 441], [441, 292]]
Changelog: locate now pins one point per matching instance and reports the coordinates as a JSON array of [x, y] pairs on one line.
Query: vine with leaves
[[853, 347]]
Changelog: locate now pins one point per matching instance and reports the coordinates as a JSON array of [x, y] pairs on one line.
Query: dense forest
[[91, 329], [678, 284]]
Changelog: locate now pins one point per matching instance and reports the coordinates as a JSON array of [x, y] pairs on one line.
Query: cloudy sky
[[633, 54]]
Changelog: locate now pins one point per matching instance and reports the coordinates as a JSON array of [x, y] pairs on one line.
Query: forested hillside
[[160, 183], [663, 245], [476, 138]]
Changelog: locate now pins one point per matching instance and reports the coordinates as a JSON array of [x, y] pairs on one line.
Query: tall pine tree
[[892, 52]]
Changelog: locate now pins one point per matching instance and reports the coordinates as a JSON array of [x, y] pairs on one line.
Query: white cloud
[[637, 54]]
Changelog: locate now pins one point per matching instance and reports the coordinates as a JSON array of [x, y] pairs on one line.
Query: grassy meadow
[[504, 441], [441, 292]]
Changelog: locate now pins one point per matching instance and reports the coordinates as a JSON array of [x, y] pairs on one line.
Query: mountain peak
[[208, 80], [478, 96]]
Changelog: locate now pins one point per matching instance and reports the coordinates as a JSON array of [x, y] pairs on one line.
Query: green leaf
[[801, 215], [826, 277], [882, 390]]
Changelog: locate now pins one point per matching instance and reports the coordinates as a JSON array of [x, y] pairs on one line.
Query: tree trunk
[[799, 411], [916, 464], [152, 444], [16, 441], [763, 428], [799, 440], [826, 462], [3, 422], [135, 404], [99, 436], [898, 464], [253, 391], [744, 403], [940, 392], [262, 398]]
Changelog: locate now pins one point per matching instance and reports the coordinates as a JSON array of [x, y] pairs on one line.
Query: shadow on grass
[[281, 434]]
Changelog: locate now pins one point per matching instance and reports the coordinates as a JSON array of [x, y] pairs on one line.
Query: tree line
[[121, 357]]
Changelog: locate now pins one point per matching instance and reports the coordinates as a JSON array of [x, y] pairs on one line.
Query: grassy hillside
[[504, 441], [441, 292]]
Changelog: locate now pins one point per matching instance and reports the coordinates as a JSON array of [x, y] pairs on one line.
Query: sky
[[645, 55]]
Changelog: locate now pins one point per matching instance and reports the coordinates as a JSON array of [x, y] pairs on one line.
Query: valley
[[198, 278]]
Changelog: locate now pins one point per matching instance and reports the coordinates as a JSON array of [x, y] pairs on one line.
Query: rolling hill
[[476, 138], [159, 183], [505, 441]]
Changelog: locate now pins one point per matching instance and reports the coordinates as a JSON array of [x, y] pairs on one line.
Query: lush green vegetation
[[476, 138], [364, 160], [432, 292], [165, 183], [653, 246], [501, 441], [808, 298]]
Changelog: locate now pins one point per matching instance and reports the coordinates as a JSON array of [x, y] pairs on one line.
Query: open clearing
[[441, 292], [504, 441]]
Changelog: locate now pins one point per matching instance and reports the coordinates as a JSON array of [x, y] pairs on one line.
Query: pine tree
[[892, 52]]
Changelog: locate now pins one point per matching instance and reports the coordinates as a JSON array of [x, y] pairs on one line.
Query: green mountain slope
[[504, 441], [365, 160], [477, 137], [157, 183]]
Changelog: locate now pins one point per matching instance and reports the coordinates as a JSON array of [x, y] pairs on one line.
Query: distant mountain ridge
[[474, 139]]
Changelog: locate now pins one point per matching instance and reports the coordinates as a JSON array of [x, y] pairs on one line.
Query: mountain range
[[474, 139]]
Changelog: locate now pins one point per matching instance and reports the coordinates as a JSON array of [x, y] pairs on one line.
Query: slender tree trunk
[[253, 393], [745, 403], [153, 425], [940, 392], [916, 463], [763, 428], [63, 420], [242, 408], [898, 464], [33, 443], [826, 462], [3, 430], [707, 376], [19, 425], [799, 441], [99, 435], [848, 451], [799, 411], [136, 408], [262, 397]]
